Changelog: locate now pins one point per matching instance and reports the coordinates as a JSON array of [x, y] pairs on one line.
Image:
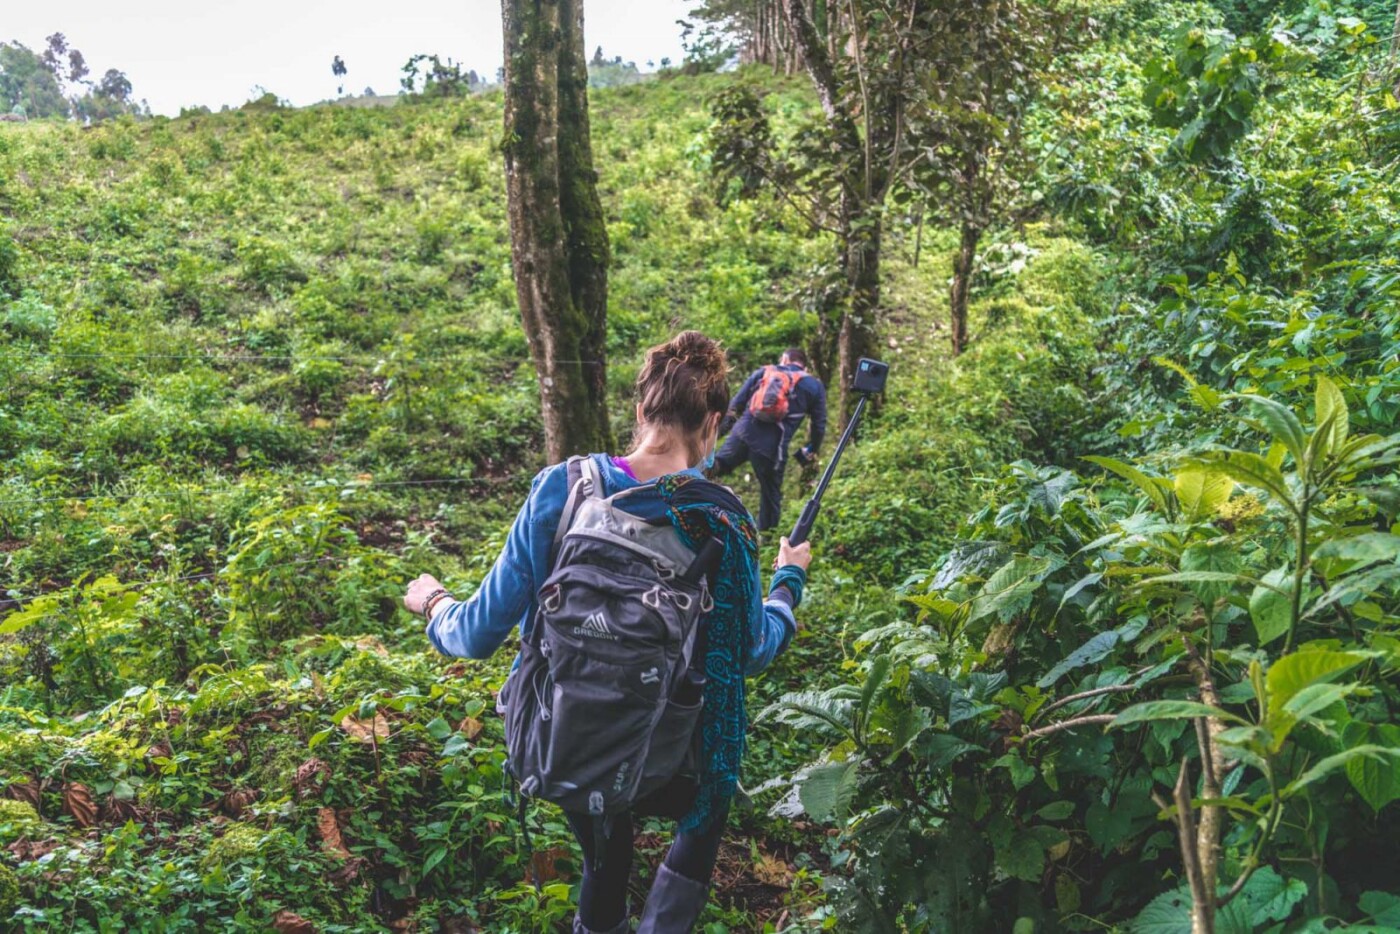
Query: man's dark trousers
[[767, 470]]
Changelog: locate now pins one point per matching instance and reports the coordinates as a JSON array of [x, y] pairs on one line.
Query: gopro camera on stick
[[869, 380]]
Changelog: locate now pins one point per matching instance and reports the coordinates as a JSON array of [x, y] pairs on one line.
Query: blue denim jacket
[[475, 628]]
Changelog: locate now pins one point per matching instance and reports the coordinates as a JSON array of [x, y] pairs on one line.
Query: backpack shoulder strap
[[582, 476]]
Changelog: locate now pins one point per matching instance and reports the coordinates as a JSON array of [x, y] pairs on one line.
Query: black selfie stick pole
[[814, 505]]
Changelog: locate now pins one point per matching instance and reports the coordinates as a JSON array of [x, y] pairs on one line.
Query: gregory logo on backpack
[[595, 626], [769, 402]]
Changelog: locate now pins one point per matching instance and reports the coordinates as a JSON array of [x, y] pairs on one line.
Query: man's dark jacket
[[769, 440]]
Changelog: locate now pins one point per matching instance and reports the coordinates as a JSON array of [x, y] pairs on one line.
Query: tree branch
[[1084, 695], [1068, 725]]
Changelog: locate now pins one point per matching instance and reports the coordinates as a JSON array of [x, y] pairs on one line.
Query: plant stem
[[1301, 570]]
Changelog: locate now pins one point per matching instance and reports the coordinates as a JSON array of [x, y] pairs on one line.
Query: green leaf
[[1292, 673], [1382, 907], [942, 749], [1332, 406], [1278, 420], [23, 619], [1056, 810], [875, 679], [1152, 486], [1269, 607], [1201, 491], [1266, 897], [1250, 469], [1343, 555], [1168, 913], [1368, 781], [1022, 856], [828, 789], [438, 728], [1212, 558], [1096, 649], [1300, 707], [1376, 779], [1009, 589], [1171, 710]]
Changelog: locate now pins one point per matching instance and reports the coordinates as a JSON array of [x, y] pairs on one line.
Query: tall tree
[[861, 70], [986, 64], [559, 241], [28, 84]]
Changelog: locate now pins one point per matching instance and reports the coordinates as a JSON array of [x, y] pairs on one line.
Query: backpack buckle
[[680, 599], [652, 597], [553, 599]]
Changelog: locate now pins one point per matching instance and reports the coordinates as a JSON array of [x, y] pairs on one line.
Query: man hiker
[[766, 412]]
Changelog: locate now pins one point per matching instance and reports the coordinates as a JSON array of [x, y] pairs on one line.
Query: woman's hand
[[418, 592], [800, 555]]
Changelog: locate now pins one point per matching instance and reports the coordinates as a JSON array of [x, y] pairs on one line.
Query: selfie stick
[[814, 505]]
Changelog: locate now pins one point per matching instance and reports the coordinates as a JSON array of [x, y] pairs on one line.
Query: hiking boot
[[674, 903]]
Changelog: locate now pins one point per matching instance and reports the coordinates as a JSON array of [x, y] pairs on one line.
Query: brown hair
[[682, 383]]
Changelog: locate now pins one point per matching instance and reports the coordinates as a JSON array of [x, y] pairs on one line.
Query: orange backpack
[[769, 402]]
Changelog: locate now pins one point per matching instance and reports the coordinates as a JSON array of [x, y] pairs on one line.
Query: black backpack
[[602, 712]]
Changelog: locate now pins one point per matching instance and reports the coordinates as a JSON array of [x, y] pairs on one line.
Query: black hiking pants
[[767, 471], [602, 899]]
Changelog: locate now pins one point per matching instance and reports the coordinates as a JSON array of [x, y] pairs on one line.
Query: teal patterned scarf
[[699, 509]]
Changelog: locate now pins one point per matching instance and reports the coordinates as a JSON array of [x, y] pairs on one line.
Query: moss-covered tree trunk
[[962, 282], [559, 244]]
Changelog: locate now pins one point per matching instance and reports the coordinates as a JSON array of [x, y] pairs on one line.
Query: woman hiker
[[681, 397]]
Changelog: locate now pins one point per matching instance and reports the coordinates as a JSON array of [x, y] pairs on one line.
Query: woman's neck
[[656, 457]]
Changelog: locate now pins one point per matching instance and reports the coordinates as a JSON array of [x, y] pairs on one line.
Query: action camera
[[870, 376]]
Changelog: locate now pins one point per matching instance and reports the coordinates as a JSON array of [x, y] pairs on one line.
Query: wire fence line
[[329, 483], [368, 359]]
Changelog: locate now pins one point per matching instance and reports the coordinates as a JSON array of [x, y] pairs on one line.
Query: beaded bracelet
[[432, 601]]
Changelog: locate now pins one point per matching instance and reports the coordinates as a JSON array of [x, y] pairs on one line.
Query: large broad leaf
[[1344, 555], [1250, 470], [1383, 907], [1265, 898], [1375, 777], [1168, 913], [1170, 710], [1020, 851], [1207, 561], [1269, 608], [1355, 758], [1292, 673], [1278, 420], [1008, 591], [1096, 649], [1301, 706], [1154, 487], [1332, 411], [1202, 491], [828, 789]]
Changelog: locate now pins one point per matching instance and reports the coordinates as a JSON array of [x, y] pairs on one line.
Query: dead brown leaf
[[772, 871], [236, 802], [329, 829], [470, 727], [24, 850], [543, 866], [311, 776], [286, 922], [371, 644], [28, 792], [78, 803], [365, 731]]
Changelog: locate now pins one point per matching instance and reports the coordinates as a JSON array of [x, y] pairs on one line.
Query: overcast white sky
[[213, 52]]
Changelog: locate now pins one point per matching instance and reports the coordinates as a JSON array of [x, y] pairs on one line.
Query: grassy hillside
[[260, 368]]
